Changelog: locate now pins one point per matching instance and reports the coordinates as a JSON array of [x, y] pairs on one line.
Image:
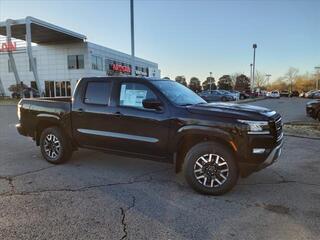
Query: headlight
[[256, 127]]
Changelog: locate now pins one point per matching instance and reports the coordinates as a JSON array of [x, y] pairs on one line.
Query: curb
[[300, 136], [251, 100]]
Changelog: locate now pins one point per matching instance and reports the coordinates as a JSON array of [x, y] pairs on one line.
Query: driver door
[[140, 130]]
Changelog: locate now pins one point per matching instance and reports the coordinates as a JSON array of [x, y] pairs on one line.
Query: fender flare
[[217, 133]]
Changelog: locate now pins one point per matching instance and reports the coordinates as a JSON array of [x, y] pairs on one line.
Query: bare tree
[[291, 76], [260, 79]]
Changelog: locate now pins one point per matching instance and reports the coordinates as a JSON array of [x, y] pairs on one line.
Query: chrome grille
[[278, 129]]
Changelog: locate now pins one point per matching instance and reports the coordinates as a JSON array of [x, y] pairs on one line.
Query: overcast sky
[[193, 38]]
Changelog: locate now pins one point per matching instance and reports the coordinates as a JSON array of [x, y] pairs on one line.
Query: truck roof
[[124, 78]]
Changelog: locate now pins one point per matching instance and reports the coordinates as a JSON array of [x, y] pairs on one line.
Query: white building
[[60, 58]]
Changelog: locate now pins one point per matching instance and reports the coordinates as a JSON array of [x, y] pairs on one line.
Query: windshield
[[177, 93]]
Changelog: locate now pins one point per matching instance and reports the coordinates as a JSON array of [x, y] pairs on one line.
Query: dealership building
[[51, 59]]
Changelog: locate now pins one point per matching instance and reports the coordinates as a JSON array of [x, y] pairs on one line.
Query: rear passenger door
[[92, 116]]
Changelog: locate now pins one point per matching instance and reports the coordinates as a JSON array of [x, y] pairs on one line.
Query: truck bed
[[34, 110]]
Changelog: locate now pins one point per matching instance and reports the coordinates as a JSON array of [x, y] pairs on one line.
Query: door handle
[[118, 114], [80, 110]]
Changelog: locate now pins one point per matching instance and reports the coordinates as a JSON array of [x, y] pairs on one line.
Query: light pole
[[268, 78], [251, 76], [254, 63], [132, 38], [210, 81], [317, 76]]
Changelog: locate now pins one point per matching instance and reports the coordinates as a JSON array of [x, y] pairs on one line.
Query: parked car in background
[[309, 94], [314, 94], [313, 109], [274, 94], [294, 94], [244, 95], [217, 95], [235, 93], [284, 93]]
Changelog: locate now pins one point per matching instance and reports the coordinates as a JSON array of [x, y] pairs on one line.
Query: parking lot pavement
[[102, 196], [291, 109]]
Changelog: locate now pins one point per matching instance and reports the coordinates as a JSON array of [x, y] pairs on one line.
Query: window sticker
[[134, 97]]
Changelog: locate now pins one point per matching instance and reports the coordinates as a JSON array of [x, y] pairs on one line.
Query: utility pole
[[251, 77], [254, 63], [317, 69], [210, 81], [132, 38]]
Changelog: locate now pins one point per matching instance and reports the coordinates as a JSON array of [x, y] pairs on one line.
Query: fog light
[[258, 150]]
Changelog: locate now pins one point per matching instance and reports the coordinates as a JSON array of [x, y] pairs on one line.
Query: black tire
[[223, 99], [241, 97], [193, 157], [49, 148], [318, 115]]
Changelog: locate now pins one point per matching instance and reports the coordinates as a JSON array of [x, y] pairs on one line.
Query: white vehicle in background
[[273, 94]]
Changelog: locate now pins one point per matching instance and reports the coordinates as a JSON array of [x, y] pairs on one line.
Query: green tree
[[225, 82], [242, 83], [209, 81], [194, 84], [182, 80]]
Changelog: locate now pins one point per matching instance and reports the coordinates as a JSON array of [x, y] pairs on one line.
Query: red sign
[[120, 68], [8, 47]]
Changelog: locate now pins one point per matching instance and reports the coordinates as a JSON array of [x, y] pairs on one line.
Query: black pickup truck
[[211, 143]]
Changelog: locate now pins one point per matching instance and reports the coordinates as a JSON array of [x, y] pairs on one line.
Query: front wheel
[[210, 168], [55, 147]]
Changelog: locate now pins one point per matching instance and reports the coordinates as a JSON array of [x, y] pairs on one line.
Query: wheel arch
[[190, 136]]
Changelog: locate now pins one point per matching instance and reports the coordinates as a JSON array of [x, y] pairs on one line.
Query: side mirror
[[152, 103]]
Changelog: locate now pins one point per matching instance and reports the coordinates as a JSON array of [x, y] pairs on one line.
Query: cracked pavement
[[102, 196]]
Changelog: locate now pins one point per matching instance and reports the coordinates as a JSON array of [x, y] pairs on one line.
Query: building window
[[75, 62], [96, 63], [9, 66], [35, 63], [57, 89]]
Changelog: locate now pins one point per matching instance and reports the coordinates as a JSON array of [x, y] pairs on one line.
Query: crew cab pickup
[[211, 144]]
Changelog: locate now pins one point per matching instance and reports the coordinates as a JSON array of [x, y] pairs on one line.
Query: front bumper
[[273, 156], [21, 130], [309, 111]]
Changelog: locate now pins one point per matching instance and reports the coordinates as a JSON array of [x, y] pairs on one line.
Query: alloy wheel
[[52, 146], [211, 170]]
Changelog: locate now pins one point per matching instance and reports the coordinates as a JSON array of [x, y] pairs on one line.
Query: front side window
[[177, 93], [98, 93], [75, 62], [132, 94]]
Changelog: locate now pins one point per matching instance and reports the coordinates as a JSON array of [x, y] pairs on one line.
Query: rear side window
[[98, 93]]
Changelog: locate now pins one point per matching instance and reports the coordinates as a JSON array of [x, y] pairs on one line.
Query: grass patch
[[303, 129], [9, 101]]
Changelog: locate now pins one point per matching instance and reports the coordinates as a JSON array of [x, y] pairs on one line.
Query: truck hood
[[232, 110]]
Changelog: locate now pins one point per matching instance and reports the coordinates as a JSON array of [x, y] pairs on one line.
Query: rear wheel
[[55, 147], [223, 99], [210, 168]]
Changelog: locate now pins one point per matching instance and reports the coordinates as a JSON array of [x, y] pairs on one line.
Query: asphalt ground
[[101, 196]]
